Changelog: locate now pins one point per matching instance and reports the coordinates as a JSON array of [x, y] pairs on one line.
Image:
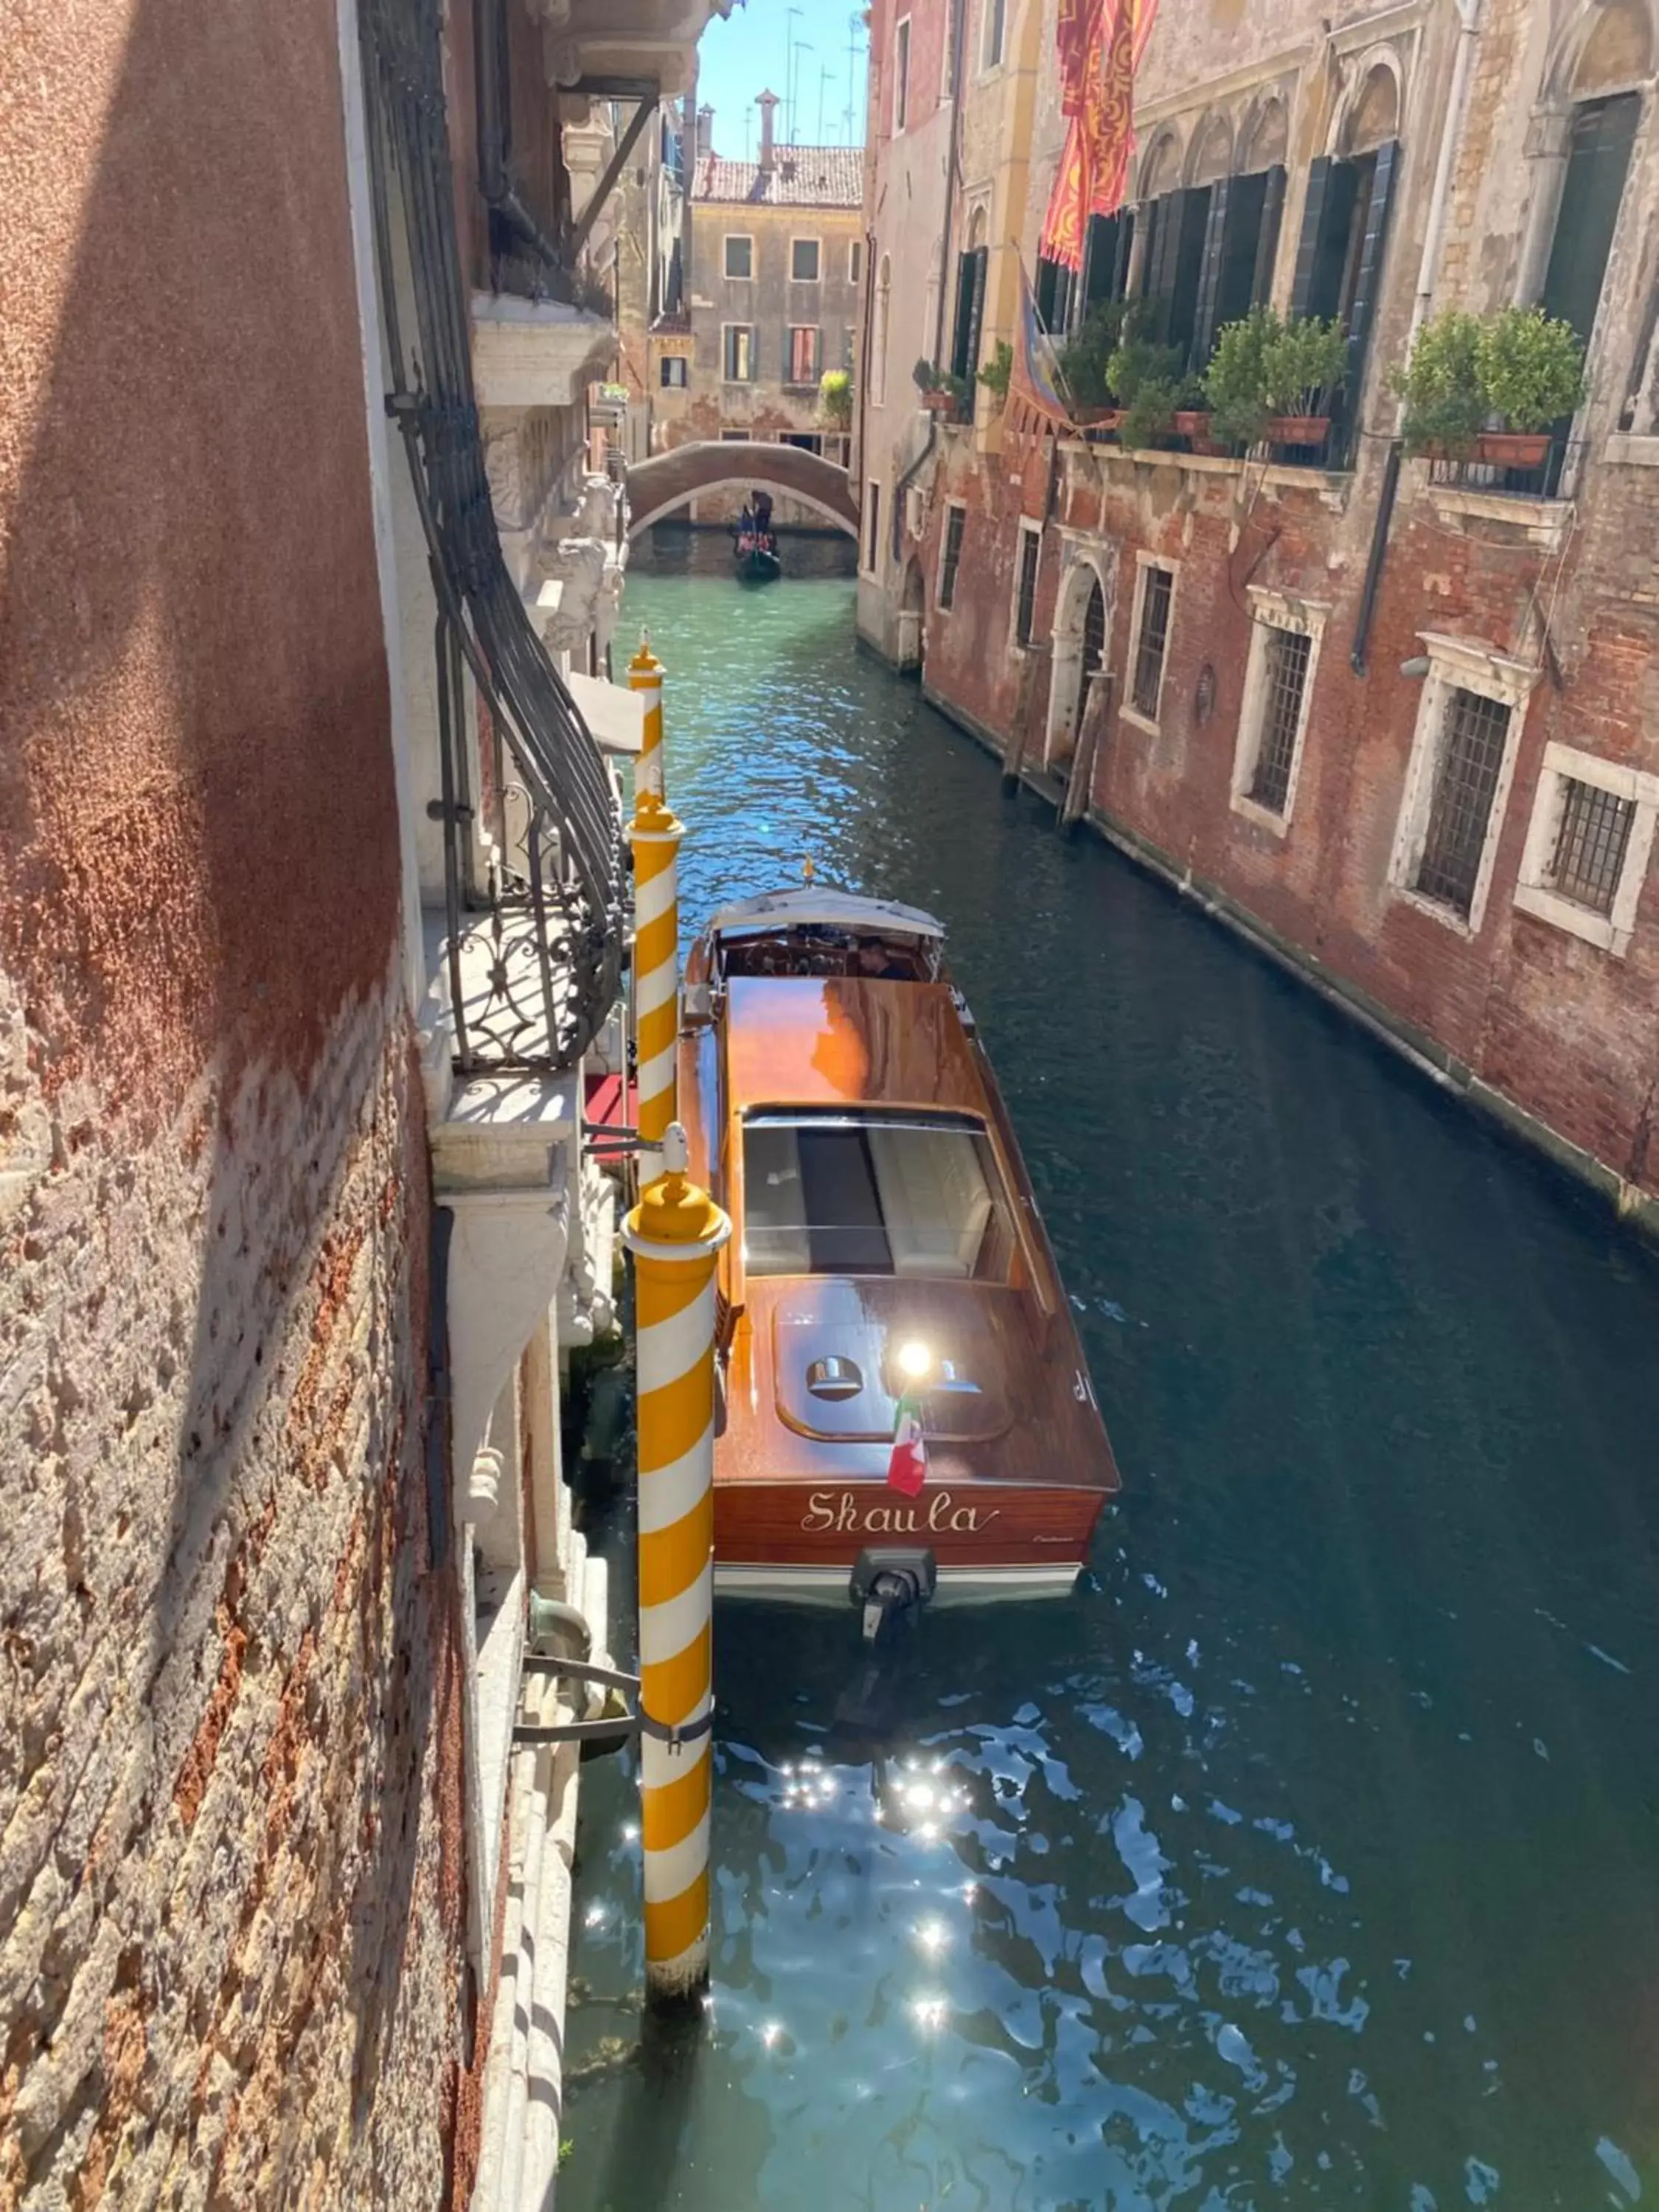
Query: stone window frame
[[903, 41], [729, 239], [1612, 932], [1028, 529], [1151, 724], [855, 262], [1459, 663], [943, 605], [669, 382], [754, 350], [806, 238], [870, 532], [992, 11], [1271, 611]]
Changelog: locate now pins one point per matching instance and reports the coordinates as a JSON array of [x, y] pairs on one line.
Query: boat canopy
[[811, 908]]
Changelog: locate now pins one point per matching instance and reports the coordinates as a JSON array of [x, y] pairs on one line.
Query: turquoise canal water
[[1308, 1855]]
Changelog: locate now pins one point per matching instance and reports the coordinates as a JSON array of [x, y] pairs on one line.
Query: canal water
[[1308, 1855]]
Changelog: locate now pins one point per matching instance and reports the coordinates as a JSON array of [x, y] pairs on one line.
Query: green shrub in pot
[[1441, 386], [1264, 367], [1530, 367]]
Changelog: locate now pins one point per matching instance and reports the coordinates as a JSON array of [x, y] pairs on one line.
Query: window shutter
[[980, 257], [1368, 277], [1313, 220], [964, 313], [1598, 160], [1163, 260], [1209, 273], [1267, 243]]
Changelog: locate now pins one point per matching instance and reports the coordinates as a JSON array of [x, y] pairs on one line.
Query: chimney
[[705, 133], [766, 103]]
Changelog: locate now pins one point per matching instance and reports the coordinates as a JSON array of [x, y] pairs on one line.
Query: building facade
[[311, 914], [1394, 717], [772, 280]]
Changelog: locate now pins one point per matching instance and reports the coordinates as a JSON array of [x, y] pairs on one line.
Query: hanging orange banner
[[1100, 45]]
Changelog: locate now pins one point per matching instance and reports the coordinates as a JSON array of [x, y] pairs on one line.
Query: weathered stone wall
[[230, 1881], [231, 1873]]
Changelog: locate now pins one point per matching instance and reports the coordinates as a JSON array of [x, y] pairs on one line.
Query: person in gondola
[[763, 521], [746, 529]]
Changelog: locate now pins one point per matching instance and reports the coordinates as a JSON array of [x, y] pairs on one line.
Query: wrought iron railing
[[1494, 465], [549, 898]]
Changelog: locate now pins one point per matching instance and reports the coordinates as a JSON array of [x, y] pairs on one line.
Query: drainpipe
[[1468, 13], [904, 481]]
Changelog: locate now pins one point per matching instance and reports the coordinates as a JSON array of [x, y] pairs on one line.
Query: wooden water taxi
[[886, 1248]]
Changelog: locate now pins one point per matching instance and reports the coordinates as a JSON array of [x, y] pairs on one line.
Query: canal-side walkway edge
[[1630, 1204]]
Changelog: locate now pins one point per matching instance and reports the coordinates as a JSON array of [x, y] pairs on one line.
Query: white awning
[[615, 717], [826, 909]]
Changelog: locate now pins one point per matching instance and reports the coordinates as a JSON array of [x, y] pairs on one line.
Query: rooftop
[[800, 176]]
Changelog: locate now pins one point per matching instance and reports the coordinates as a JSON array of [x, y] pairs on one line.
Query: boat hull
[[798, 1540]]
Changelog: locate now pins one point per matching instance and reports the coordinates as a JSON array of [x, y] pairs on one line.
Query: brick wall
[[1555, 1025], [231, 1877]]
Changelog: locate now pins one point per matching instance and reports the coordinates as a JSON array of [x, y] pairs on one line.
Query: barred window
[[1286, 675], [955, 518], [1591, 844], [1157, 591], [1466, 782], [1031, 546]]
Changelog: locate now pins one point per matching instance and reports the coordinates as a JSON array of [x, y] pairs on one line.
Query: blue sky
[[767, 42]]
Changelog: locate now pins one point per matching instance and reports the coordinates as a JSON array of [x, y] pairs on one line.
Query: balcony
[[1485, 495], [536, 353]]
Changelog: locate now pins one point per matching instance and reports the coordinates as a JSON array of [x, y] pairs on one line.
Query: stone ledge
[[535, 353], [1541, 522]]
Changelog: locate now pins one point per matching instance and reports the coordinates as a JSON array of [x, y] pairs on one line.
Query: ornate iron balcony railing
[[549, 905]]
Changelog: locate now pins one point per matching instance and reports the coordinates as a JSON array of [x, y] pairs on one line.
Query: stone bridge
[[656, 487]]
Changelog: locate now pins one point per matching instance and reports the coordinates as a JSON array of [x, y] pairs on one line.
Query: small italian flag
[[907, 1469]]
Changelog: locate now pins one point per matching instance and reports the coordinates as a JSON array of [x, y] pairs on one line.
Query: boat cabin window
[[847, 1194], [832, 952]]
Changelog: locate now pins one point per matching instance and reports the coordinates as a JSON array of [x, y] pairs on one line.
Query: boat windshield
[[874, 1194]]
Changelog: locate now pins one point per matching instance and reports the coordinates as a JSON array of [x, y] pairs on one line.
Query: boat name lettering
[[843, 1511]]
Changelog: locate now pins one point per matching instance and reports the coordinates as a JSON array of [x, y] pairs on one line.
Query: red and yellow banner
[[1100, 45]]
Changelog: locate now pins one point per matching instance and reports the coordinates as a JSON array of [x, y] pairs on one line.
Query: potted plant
[[1194, 421], [1272, 379], [997, 372], [836, 398], [1531, 370], [1145, 378], [1440, 385], [935, 387], [1084, 360]]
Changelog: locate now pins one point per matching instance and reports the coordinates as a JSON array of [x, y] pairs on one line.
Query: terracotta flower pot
[[938, 403], [1513, 449], [1298, 429], [1193, 423]]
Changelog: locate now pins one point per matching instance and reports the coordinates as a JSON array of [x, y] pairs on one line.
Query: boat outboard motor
[[891, 1586]]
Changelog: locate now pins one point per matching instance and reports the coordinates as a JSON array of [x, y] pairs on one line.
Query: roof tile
[[800, 176]]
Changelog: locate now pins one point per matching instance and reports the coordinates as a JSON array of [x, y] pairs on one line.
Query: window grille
[[954, 518], [1471, 755], [1156, 594], [1590, 844], [1286, 657], [1030, 545]]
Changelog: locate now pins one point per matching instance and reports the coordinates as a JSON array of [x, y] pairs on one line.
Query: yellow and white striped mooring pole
[[645, 674], [674, 1233], [655, 837]]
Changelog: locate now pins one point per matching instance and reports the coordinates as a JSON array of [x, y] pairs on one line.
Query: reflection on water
[[1308, 1855]]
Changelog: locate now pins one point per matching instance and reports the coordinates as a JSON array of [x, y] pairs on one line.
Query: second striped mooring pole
[[655, 837]]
